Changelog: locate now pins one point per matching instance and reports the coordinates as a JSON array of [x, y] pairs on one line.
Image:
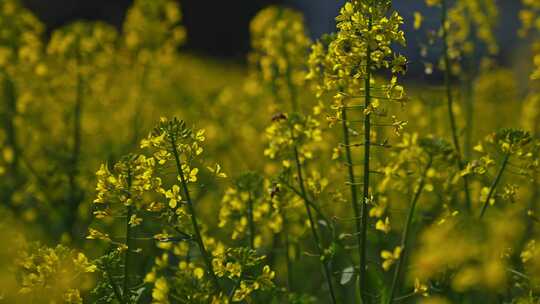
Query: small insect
[[279, 116], [274, 190]]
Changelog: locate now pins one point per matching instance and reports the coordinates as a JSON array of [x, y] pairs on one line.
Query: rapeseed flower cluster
[[57, 270], [267, 204], [280, 45]]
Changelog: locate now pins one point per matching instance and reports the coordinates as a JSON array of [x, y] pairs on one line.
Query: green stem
[[406, 232], [114, 286], [287, 257], [450, 102], [533, 203], [251, 223], [352, 181], [318, 210], [494, 184], [235, 287], [129, 238], [193, 215], [313, 226], [365, 195]]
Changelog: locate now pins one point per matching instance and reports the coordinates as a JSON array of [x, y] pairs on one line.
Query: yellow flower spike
[[150, 277], [99, 214], [161, 290], [135, 221], [218, 266], [279, 44], [479, 148], [383, 226], [390, 257], [418, 19], [286, 163], [529, 252], [52, 268], [198, 273], [94, 234], [199, 136], [193, 175], [484, 192], [420, 288], [174, 196], [234, 269], [216, 170]]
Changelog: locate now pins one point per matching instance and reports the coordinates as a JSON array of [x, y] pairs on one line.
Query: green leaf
[[346, 275]]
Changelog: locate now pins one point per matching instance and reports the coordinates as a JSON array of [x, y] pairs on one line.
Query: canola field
[[132, 171]]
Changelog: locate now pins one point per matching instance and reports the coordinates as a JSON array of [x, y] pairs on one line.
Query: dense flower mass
[[152, 25], [58, 270], [341, 61], [250, 209], [470, 28], [20, 39], [280, 45], [309, 180]]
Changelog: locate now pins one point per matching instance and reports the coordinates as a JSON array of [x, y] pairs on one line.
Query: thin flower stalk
[[129, 239], [406, 234], [371, 28], [193, 216], [450, 101], [313, 225], [288, 261], [365, 195], [302, 192], [251, 223], [494, 184]]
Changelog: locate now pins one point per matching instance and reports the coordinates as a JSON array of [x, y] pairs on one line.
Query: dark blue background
[[220, 28]]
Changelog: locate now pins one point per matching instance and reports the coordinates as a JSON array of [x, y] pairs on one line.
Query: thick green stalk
[[495, 183], [287, 257], [352, 181], [365, 195], [313, 225], [251, 223], [129, 238], [450, 102], [406, 232], [198, 237]]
